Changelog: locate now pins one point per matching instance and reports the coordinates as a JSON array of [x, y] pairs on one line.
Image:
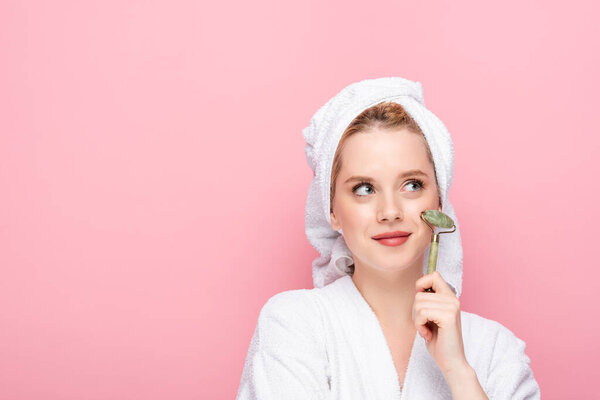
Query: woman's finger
[[435, 281], [432, 297], [443, 318], [422, 307]]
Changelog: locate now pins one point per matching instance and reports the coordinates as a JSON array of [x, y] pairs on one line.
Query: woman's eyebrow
[[411, 172]]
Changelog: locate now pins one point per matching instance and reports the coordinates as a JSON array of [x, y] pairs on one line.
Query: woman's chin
[[397, 264], [392, 265]]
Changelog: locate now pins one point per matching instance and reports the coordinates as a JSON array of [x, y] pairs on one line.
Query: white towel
[[322, 137]]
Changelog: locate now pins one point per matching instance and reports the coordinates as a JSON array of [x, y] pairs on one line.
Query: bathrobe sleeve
[[510, 375], [287, 357]]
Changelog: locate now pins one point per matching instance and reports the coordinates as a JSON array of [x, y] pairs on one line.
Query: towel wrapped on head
[[322, 137]]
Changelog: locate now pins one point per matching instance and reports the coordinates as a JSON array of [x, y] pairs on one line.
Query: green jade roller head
[[434, 218]]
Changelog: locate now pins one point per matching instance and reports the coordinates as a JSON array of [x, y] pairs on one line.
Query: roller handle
[[433, 251]]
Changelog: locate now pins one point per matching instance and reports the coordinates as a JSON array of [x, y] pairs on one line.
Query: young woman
[[369, 330]]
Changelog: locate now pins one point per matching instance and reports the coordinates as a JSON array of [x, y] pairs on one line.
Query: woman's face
[[392, 199]]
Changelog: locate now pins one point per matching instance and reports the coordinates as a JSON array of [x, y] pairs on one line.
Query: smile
[[393, 241]]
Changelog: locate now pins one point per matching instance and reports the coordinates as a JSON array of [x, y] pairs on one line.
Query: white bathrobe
[[327, 343]]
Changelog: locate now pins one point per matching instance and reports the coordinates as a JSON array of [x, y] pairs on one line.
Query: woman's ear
[[335, 225]]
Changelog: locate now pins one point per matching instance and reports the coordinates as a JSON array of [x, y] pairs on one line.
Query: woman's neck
[[390, 294]]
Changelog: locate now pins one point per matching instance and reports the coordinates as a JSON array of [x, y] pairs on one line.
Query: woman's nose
[[390, 209]]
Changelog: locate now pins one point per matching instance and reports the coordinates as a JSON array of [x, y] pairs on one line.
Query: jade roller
[[434, 218]]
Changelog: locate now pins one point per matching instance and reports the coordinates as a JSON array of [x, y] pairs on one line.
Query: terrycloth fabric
[[327, 343], [322, 137]]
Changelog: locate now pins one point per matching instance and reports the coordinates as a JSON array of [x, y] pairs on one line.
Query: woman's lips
[[393, 241]]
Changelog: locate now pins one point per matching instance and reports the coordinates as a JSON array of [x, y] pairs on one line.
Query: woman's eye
[[364, 185], [418, 185]]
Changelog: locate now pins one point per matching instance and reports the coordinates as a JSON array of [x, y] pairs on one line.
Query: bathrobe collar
[[376, 362]]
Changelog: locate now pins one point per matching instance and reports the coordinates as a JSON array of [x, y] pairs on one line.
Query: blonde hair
[[385, 115]]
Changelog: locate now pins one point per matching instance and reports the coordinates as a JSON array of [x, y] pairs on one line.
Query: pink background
[[153, 177]]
